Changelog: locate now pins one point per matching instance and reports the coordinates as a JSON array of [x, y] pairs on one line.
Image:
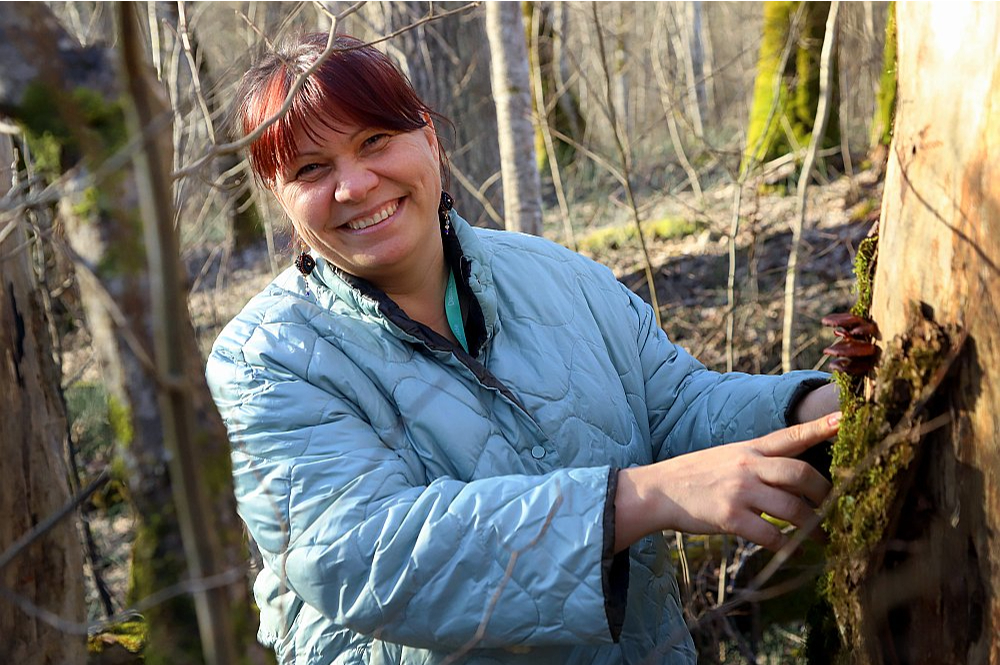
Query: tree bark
[[515, 131], [930, 587], [49, 572], [71, 98]]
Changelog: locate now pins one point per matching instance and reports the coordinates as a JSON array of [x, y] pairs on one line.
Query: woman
[[451, 440]]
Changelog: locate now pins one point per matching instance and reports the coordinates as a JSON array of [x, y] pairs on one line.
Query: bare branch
[[52, 520], [235, 146]]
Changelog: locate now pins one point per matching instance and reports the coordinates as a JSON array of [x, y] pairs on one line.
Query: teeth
[[381, 215]]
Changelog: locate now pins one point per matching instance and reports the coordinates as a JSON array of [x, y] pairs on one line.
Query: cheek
[[303, 208]]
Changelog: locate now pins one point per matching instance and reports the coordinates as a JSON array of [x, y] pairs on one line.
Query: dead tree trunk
[[923, 582], [48, 573], [516, 132], [71, 99]]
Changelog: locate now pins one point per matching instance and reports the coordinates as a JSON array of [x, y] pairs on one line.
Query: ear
[[428, 119], [431, 135]]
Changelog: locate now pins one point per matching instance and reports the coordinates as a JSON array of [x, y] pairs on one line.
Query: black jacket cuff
[[614, 567]]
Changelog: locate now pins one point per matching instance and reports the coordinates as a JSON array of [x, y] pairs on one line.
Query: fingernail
[[833, 419]]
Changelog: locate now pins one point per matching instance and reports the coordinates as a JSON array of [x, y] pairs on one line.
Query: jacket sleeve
[[354, 528], [691, 408]]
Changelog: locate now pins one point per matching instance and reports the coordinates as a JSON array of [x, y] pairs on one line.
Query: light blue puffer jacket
[[405, 494]]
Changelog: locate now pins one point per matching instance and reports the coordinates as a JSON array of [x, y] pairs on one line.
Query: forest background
[[675, 142]]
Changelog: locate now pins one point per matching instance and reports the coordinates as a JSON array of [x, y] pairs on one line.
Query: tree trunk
[[788, 341], [885, 101], [49, 572], [793, 92], [515, 132], [922, 585], [71, 99], [547, 25]]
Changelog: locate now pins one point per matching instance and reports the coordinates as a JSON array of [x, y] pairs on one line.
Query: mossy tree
[[916, 527], [786, 89], [91, 112], [885, 106], [546, 27]]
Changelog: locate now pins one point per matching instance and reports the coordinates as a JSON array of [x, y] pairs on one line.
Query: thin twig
[[543, 126], [234, 146], [749, 165], [52, 520], [199, 585], [193, 66], [507, 576], [819, 129], [626, 175]]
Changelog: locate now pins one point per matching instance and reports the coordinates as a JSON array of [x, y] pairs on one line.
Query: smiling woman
[[451, 443]]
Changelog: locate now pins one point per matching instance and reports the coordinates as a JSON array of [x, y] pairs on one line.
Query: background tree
[[786, 92], [885, 109], [917, 527], [516, 133]]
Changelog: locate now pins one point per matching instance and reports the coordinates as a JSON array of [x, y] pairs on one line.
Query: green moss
[[173, 627], [864, 275], [87, 203], [132, 635], [885, 107], [217, 470], [867, 471], [46, 153], [120, 417], [863, 209], [777, 132], [63, 129], [624, 236]]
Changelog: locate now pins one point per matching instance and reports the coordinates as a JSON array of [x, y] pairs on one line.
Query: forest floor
[[691, 271]]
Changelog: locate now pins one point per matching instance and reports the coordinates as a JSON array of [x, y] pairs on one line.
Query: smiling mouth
[[388, 211]]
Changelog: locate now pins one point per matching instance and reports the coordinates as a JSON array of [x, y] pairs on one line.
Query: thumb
[[794, 440]]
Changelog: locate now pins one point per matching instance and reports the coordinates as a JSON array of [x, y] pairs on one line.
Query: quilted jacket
[[413, 502]]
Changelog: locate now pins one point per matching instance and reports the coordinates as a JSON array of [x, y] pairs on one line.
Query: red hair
[[355, 84]]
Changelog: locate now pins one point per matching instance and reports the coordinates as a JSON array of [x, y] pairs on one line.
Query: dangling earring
[[444, 210], [304, 262]]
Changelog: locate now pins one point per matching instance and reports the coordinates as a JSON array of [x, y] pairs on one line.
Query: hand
[[725, 489]]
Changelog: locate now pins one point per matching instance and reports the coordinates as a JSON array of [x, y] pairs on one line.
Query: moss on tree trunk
[[786, 89]]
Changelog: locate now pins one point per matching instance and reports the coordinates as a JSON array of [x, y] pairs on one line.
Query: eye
[[305, 171], [375, 140]]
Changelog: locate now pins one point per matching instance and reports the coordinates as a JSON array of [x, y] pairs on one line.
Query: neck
[[422, 298]]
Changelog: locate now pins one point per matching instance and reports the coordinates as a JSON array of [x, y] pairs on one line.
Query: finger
[[796, 439], [794, 476], [756, 529], [784, 506]]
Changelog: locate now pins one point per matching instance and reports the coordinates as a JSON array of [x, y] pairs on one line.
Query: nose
[[354, 183]]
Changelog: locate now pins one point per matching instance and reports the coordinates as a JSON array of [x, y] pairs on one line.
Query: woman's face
[[366, 200]]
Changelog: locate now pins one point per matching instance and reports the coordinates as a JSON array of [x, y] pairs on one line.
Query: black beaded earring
[[304, 262], [444, 210]]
